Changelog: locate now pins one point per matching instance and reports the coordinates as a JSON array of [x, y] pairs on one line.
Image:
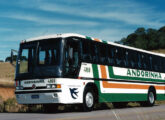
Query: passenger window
[[132, 59], [126, 58], [150, 63], [94, 52], [139, 62], [155, 64], [102, 53], [86, 50], [110, 53], [118, 56], [144, 61], [160, 64]]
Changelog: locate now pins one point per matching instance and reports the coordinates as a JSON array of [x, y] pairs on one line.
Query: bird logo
[[74, 92]]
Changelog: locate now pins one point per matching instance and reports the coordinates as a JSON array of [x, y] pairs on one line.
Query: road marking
[[117, 117], [141, 115]]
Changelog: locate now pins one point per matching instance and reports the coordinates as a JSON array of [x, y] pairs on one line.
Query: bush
[[1, 104], [10, 105]]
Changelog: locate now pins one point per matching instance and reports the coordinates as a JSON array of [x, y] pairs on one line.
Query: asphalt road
[[135, 113]]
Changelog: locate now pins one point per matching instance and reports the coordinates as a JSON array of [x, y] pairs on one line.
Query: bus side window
[[110, 54], [94, 52], [150, 63], [163, 64], [126, 58], [145, 61], [119, 57], [86, 50], [160, 64], [155, 64], [133, 59], [102, 53], [139, 61]]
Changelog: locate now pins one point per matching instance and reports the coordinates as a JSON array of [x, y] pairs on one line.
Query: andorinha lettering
[[34, 81], [141, 73]]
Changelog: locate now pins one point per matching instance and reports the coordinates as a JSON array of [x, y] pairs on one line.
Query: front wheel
[[88, 100]]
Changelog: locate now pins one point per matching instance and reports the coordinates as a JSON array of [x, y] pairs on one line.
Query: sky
[[109, 20]]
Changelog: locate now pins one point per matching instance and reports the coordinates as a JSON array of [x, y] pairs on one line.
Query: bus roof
[[55, 36], [65, 35]]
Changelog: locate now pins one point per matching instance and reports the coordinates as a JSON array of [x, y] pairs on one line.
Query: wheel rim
[[151, 97], [89, 99]]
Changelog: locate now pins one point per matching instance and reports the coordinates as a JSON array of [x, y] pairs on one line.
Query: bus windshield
[[39, 59]]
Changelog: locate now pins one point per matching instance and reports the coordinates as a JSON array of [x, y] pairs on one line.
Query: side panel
[[115, 84]]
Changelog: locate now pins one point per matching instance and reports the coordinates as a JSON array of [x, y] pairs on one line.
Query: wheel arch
[[95, 90]]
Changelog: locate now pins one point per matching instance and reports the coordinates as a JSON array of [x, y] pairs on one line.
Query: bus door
[[71, 57]]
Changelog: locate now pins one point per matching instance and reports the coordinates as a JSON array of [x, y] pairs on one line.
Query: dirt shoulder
[[6, 80]]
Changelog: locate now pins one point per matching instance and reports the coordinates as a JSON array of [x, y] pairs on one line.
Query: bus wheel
[[150, 100], [88, 100]]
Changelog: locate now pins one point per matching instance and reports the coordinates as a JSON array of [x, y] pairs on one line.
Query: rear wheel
[[150, 100], [88, 100]]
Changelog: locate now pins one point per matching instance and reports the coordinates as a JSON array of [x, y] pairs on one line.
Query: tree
[[145, 39], [8, 59], [140, 31]]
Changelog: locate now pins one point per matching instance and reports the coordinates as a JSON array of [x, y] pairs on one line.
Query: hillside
[[6, 73], [6, 80]]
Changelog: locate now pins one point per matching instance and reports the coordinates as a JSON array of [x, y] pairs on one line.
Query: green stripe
[[89, 38], [160, 96], [105, 42], [125, 97], [96, 75], [95, 71], [111, 74]]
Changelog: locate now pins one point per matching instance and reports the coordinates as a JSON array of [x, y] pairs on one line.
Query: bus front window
[[49, 53], [24, 61], [40, 59]]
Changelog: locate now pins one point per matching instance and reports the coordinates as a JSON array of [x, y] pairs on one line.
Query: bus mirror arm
[[12, 56]]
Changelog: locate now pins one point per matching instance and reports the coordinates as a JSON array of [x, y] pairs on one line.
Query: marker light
[[53, 86]]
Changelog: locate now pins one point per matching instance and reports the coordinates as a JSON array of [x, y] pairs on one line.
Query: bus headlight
[[53, 85]]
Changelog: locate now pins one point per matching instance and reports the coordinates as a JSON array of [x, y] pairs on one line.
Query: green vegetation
[[148, 39], [11, 105], [8, 59]]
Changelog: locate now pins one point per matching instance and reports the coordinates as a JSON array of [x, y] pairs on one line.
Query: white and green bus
[[76, 69]]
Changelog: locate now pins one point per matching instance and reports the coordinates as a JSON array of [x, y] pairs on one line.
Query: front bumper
[[43, 96]]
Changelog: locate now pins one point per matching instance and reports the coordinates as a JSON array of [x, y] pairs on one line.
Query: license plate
[[35, 96]]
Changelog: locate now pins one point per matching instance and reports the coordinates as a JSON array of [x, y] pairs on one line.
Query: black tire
[[88, 100], [50, 108], [150, 100], [119, 104]]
